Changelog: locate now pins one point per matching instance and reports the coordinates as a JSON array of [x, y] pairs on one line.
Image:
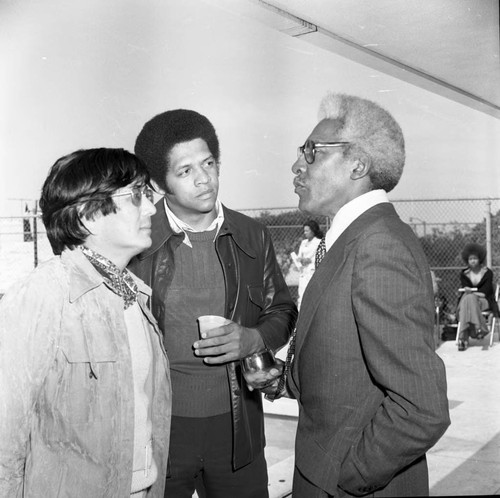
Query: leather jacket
[[256, 296]]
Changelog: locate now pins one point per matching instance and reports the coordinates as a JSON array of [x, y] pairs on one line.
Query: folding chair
[[493, 318]]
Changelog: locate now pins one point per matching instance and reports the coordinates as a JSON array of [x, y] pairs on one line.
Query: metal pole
[[35, 234], [488, 234]]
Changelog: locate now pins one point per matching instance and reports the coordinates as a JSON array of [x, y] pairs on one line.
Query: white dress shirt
[[352, 210]]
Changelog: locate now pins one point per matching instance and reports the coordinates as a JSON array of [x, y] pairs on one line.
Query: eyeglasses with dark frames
[[309, 149], [136, 194]]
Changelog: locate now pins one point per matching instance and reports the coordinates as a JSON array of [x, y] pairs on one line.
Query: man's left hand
[[228, 343]]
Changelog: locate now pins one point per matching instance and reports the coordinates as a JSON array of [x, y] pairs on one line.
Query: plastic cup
[[209, 322]]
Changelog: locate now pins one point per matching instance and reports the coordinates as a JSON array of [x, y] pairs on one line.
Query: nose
[[202, 176], [299, 166], [148, 208]]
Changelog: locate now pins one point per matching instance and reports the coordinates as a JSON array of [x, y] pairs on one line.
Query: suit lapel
[[332, 262]]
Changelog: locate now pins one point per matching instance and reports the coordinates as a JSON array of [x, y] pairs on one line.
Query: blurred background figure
[[304, 260], [476, 286]]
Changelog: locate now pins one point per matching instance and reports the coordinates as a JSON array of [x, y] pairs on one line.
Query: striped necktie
[[320, 252]]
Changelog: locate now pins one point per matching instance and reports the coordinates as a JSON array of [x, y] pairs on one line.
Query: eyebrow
[[190, 163]]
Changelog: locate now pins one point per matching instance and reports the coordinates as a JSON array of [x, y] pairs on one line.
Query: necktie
[[320, 252], [286, 369]]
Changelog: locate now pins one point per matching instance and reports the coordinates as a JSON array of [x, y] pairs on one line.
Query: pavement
[[465, 461]]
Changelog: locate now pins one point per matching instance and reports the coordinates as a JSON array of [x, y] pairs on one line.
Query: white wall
[[89, 73]]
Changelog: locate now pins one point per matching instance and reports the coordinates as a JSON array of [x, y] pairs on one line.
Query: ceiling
[[450, 47]]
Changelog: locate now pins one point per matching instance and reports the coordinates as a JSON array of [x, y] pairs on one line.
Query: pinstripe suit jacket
[[370, 387]]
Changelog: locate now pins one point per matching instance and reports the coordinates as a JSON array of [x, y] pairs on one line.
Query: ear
[[360, 168], [157, 188], [89, 223]]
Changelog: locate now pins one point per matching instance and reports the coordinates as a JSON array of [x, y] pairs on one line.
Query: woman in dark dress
[[477, 295]]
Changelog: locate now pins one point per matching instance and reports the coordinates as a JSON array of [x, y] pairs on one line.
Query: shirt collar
[[352, 210], [179, 226]]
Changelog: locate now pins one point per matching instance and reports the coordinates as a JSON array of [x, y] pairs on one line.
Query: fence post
[[488, 234], [35, 234]]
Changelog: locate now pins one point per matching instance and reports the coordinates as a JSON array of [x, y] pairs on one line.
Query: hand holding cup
[[209, 322], [261, 369]]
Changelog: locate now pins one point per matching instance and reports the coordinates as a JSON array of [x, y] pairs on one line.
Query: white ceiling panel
[[450, 47]]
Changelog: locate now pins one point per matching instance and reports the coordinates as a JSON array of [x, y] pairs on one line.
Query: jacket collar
[[162, 231], [83, 277], [237, 226]]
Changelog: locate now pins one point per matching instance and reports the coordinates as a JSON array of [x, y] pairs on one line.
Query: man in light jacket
[[85, 397]]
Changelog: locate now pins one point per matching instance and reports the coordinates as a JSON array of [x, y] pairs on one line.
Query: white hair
[[372, 130]]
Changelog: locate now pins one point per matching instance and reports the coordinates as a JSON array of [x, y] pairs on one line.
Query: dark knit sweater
[[197, 288]]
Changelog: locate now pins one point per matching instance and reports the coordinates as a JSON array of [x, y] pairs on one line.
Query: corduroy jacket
[[256, 296]]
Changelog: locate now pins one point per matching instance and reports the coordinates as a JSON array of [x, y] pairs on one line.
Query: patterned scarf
[[120, 282]]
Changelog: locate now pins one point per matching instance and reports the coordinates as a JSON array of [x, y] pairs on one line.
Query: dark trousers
[[201, 460], [411, 481]]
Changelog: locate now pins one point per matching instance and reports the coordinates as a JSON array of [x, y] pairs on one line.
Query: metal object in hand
[[260, 369]]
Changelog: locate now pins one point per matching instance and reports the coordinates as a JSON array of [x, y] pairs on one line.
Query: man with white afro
[[371, 389]]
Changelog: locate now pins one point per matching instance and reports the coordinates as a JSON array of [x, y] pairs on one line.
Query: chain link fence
[[23, 244], [443, 227]]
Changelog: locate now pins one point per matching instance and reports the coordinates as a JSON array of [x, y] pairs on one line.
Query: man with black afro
[[209, 260]]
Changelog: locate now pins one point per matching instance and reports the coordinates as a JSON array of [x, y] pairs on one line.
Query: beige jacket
[[66, 390]]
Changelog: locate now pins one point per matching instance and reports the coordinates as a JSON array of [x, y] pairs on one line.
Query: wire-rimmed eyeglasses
[[309, 149], [136, 194]]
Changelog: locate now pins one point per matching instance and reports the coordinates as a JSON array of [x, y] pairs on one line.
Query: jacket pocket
[[255, 304], [88, 374]]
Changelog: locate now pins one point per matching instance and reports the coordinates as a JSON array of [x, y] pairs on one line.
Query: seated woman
[[478, 295]]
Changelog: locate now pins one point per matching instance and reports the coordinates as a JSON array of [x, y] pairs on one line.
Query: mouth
[[299, 187], [206, 194]]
